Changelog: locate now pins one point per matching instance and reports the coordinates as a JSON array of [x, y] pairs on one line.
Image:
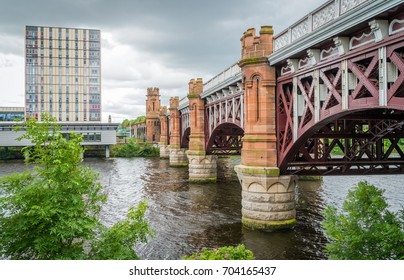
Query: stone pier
[[268, 199], [163, 145], [202, 167], [178, 155]]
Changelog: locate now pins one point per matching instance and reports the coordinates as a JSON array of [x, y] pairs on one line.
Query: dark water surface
[[187, 217]]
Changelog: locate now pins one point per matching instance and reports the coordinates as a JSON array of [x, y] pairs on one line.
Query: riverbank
[[134, 149]]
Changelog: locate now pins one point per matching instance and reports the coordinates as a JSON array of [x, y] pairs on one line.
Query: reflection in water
[[187, 217]]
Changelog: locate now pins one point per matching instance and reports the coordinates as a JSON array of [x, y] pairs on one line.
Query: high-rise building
[[63, 73]]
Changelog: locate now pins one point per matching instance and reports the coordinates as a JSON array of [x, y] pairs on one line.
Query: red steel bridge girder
[[303, 140]]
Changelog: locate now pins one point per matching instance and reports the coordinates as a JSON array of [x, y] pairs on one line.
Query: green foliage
[[366, 229], [127, 122], [52, 211], [7, 153], [223, 253], [116, 243], [133, 149]]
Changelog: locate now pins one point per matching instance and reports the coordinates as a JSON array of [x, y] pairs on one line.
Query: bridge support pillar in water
[[202, 167], [178, 157], [163, 145], [164, 151], [268, 200]]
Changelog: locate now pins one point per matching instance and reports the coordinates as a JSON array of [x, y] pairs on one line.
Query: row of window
[[32, 32], [33, 62], [35, 89], [45, 80], [34, 52], [11, 116], [92, 137], [34, 69]]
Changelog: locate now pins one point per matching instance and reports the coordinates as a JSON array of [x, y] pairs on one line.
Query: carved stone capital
[[342, 43], [314, 55], [380, 29]]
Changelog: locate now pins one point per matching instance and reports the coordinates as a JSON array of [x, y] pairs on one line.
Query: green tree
[[52, 211], [134, 149], [365, 229], [223, 253]]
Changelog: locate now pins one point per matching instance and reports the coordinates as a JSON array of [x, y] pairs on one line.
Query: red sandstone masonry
[[153, 115], [174, 122], [197, 110], [259, 141]]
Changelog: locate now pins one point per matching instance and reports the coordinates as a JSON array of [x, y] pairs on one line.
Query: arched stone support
[[164, 151], [178, 157], [268, 200], [202, 168]]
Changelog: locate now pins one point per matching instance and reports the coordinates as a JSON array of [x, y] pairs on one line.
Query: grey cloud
[[166, 42]]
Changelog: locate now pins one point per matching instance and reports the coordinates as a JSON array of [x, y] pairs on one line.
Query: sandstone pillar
[[267, 198], [164, 151], [202, 167], [152, 115], [178, 156]]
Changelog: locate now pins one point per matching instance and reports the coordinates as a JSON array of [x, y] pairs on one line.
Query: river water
[[187, 217]]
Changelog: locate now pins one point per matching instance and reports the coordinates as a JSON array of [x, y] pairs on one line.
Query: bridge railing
[[183, 103], [314, 20], [230, 72]]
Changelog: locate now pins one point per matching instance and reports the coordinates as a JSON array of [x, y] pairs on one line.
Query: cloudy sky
[[145, 43]]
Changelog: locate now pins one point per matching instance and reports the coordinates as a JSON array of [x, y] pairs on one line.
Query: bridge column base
[[268, 199], [202, 168], [178, 157], [164, 151]]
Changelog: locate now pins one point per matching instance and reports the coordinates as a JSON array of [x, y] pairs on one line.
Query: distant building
[[63, 73], [9, 114]]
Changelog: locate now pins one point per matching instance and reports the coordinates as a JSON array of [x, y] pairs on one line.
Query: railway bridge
[[323, 97]]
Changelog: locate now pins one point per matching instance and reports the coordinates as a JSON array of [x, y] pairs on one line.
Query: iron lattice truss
[[346, 116], [225, 140], [352, 147], [223, 131]]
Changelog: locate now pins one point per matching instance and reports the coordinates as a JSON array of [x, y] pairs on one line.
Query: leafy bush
[[366, 229], [223, 253], [133, 149], [52, 211]]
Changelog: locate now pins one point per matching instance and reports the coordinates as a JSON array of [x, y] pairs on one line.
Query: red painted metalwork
[[330, 76], [353, 146], [395, 92], [225, 140], [223, 130], [284, 116], [366, 136], [185, 138]]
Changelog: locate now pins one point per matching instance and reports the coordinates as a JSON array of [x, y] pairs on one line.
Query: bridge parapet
[[330, 20], [331, 10], [183, 103], [225, 78]]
